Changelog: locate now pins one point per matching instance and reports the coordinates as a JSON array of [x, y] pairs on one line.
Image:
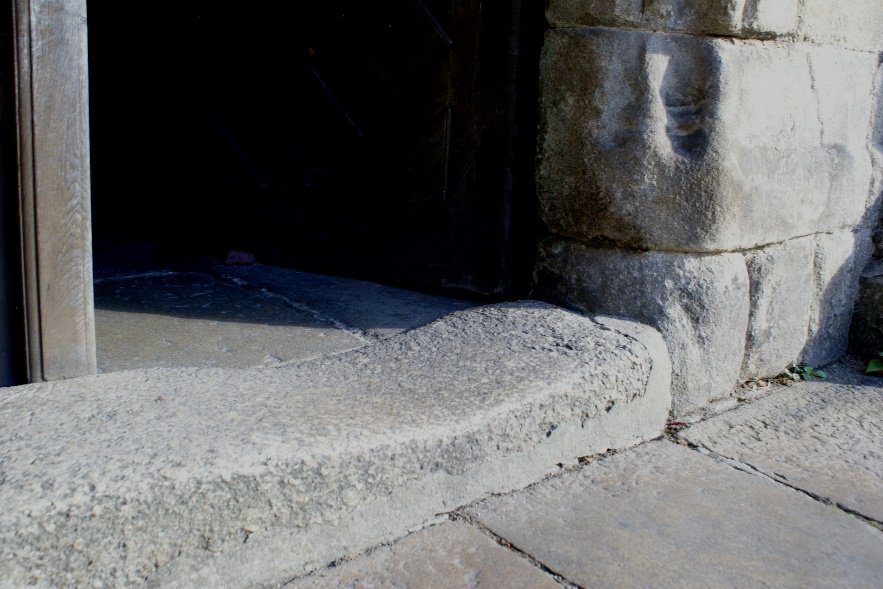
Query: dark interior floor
[[156, 310]]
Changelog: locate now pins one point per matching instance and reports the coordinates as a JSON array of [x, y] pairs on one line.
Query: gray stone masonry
[[781, 296], [694, 144], [839, 260], [857, 24], [725, 317], [700, 304], [678, 134], [247, 478]]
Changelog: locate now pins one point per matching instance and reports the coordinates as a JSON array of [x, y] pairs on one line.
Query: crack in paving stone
[[778, 479], [150, 274], [338, 562], [460, 515], [235, 281]]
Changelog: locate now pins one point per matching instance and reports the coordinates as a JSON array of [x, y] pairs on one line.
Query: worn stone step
[[248, 478]]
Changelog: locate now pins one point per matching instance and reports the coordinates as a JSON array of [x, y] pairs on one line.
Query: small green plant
[[797, 371], [875, 365], [810, 373]]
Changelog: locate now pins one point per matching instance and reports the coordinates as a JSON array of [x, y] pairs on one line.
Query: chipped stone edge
[[277, 556]]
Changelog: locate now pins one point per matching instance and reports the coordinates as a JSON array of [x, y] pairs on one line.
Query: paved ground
[[783, 491], [201, 313]]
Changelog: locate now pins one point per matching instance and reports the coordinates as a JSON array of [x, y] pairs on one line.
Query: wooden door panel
[[369, 138]]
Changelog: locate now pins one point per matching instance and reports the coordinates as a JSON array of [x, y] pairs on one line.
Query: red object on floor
[[240, 258]]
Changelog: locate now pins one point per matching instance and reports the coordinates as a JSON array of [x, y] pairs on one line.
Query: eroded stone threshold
[[182, 477]]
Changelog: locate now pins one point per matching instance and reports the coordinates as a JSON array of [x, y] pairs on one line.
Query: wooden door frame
[[51, 110], [51, 119]]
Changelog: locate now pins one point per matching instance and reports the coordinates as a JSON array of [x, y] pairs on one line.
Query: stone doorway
[[367, 139]]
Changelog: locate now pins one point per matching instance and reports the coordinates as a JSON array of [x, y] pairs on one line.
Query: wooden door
[[368, 138], [47, 159]]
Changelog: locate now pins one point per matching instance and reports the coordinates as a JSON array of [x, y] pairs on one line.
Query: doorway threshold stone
[[248, 478]]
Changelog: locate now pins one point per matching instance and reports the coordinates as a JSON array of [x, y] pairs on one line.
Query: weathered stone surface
[[742, 18], [824, 437], [839, 260], [664, 516], [453, 555], [698, 302], [685, 143], [235, 478], [189, 320], [866, 331], [781, 289], [849, 23]]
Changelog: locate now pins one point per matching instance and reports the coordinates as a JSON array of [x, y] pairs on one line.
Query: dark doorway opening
[[388, 140]]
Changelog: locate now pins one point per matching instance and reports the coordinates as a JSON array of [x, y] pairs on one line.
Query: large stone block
[[856, 24], [850, 23], [781, 295], [741, 18], [247, 478], [839, 260], [683, 143], [698, 302]]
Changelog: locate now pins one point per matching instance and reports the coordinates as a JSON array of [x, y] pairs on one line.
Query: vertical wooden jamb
[[22, 43], [13, 369], [53, 153]]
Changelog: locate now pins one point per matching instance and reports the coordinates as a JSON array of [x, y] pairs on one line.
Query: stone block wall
[[710, 167]]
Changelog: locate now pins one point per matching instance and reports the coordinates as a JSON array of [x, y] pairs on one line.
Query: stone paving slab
[[182, 320], [449, 556], [662, 515], [375, 309], [207, 315], [824, 437], [248, 478]]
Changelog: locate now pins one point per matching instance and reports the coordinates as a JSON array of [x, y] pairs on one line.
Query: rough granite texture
[[726, 317], [856, 24], [700, 304], [238, 478], [824, 437], [781, 291], [839, 261], [662, 515], [452, 555], [695, 144]]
